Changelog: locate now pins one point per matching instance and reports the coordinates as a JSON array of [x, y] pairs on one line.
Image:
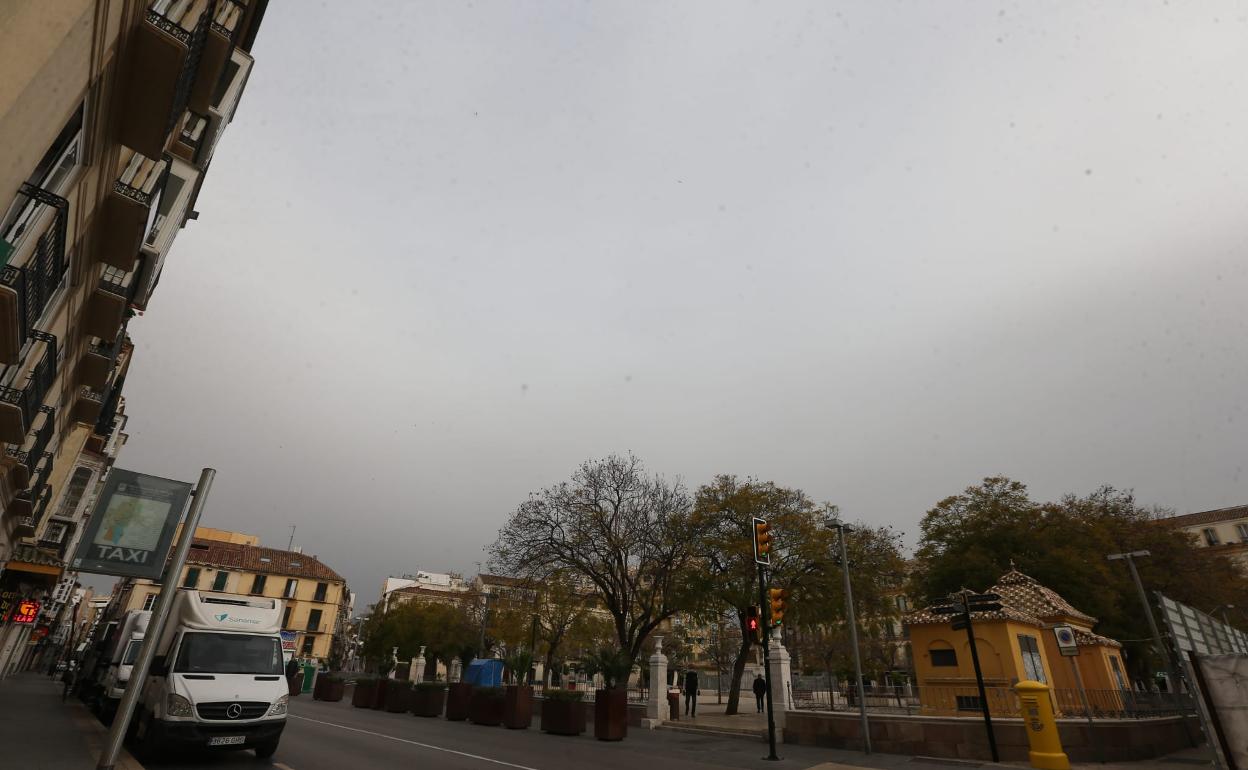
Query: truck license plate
[[226, 740]]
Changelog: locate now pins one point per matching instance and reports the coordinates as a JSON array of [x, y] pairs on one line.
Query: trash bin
[[309, 676], [673, 704]]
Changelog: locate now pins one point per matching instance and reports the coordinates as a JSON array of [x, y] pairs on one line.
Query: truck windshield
[[132, 652], [209, 653]]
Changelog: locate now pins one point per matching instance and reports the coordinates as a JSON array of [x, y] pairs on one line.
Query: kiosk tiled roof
[[1024, 593]]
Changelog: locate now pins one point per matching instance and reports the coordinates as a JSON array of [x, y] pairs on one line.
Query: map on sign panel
[[132, 522]]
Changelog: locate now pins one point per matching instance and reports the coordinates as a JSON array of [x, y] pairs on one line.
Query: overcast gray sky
[[874, 250]]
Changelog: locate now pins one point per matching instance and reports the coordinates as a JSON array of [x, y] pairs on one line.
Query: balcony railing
[[30, 396], [195, 42], [229, 14], [37, 280], [141, 178], [119, 282], [194, 126], [39, 439]]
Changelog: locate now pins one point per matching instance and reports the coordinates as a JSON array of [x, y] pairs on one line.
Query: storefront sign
[[132, 527], [25, 612]]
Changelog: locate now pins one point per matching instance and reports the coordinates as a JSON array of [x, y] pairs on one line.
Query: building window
[[55, 532], [306, 651], [257, 585], [286, 616], [1211, 536], [1117, 669], [314, 620], [969, 703], [944, 657], [192, 578], [149, 601], [52, 174], [74, 490], [1242, 529], [218, 582], [321, 590], [1033, 665], [291, 586]]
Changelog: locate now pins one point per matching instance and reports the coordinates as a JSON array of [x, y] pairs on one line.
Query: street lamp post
[[1130, 558], [853, 635]]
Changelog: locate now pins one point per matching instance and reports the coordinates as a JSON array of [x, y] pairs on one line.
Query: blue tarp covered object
[[485, 672]]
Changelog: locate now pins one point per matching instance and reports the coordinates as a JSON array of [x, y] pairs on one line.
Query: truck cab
[[217, 679], [122, 652]]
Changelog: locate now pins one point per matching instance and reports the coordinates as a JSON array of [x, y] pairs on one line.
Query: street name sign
[[131, 529]]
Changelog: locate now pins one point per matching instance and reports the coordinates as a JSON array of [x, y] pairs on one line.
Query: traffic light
[[754, 624], [778, 601], [762, 541]]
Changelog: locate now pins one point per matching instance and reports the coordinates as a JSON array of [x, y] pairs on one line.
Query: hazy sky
[[874, 250]]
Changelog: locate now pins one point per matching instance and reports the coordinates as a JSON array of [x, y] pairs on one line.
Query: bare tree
[[625, 532]]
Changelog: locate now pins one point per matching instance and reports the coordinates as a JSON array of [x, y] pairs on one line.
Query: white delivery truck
[[217, 678], [122, 652]]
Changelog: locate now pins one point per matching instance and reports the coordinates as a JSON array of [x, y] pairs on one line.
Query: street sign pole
[[979, 675], [771, 718], [160, 614]]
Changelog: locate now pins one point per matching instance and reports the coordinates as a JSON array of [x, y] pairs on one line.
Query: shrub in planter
[[458, 696], [485, 707], [398, 695], [611, 702], [328, 688], [563, 713], [364, 694], [428, 699], [518, 697]]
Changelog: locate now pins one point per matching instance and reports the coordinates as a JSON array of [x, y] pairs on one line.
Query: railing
[[228, 14], [37, 280], [964, 700], [104, 424], [194, 126], [42, 436], [186, 78], [119, 282], [589, 691], [141, 178], [30, 397]]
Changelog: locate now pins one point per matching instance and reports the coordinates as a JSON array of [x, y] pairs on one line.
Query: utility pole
[[291, 543], [962, 605], [1130, 558], [852, 620], [771, 718]]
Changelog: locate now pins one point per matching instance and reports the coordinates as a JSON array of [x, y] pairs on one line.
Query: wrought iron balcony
[[31, 452], [194, 129], [226, 20], [20, 405], [88, 405], [106, 308], [125, 211], [98, 360], [164, 57], [33, 283]]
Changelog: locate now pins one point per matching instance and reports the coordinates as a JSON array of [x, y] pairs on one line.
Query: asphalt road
[[332, 736]]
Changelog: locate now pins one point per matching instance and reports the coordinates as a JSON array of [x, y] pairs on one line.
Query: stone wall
[[965, 738]]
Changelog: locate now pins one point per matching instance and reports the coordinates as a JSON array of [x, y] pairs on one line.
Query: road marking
[[414, 743], [280, 766]]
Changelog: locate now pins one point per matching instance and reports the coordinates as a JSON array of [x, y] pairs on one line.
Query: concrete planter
[[329, 690], [428, 701], [486, 707], [398, 696], [364, 693], [517, 707], [563, 717]]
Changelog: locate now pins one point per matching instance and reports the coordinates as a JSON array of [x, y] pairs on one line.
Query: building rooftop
[[1208, 517], [255, 558], [1024, 593]]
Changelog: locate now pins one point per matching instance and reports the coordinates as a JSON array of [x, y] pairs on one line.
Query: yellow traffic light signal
[[762, 541], [778, 601]]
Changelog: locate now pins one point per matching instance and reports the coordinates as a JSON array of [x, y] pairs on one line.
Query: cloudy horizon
[[874, 251]]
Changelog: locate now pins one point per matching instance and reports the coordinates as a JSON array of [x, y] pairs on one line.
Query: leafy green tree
[[973, 538]]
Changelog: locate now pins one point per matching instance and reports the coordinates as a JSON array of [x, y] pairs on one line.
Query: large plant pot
[[485, 709], [458, 696], [294, 684], [518, 707], [327, 689], [428, 701], [379, 694], [398, 696], [611, 714], [364, 694], [563, 717]]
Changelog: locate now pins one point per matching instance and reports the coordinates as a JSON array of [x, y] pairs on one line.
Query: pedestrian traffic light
[[762, 541], [754, 623], [778, 601]]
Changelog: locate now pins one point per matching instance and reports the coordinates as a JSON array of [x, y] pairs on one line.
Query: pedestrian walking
[[691, 693], [760, 690]]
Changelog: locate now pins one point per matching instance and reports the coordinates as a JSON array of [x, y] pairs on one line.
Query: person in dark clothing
[[292, 670], [691, 693], [760, 690]]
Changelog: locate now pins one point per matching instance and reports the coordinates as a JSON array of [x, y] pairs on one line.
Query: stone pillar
[[657, 700], [456, 671], [416, 672], [781, 677]]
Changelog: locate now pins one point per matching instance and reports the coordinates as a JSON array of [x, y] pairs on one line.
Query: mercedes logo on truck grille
[[233, 711]]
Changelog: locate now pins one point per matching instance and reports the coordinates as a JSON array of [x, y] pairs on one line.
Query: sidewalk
[[39, 732]]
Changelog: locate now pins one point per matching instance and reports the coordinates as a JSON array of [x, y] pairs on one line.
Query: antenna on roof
[[291, 543]]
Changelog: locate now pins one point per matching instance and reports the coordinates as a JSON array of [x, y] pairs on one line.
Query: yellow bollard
[[1046, 745]]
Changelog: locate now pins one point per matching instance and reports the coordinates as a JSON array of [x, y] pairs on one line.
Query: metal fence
[[1002, 702]]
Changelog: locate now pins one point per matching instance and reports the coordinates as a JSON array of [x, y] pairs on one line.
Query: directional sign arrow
[[985, 607], [973, 598], [952, 609]]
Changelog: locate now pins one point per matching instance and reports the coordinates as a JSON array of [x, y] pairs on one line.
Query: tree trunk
[[738, 668]]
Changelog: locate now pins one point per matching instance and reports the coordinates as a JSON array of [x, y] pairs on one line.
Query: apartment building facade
[[1224, 531], [312, 593], [110, 114]]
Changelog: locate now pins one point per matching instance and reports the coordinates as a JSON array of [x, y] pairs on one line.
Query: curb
[[96, 734]]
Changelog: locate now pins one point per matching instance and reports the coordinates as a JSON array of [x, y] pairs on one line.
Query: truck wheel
[[266, 749]]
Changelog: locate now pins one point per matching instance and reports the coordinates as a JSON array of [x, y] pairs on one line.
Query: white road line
[[280, 766], [414, 743]]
